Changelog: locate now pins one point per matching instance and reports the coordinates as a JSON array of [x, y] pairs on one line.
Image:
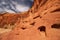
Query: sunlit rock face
[[14, 6], [41, 22]]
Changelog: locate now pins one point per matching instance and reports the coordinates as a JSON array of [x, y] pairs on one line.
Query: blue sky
[[13, 6]]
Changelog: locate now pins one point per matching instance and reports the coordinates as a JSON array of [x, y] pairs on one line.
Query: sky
[[15, 6]]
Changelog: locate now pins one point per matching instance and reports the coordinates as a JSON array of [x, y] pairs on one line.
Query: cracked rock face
[[41, 22]]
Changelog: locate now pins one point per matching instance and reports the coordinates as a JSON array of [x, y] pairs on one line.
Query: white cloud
[[22, 8], [32, 0], [10, 11], [17, 8]]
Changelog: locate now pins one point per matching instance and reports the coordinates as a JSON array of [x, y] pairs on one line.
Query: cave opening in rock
[[23, 28], [42, 28], [57, 26]]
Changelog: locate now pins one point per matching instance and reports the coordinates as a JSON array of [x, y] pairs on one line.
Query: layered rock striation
[[41, 22]]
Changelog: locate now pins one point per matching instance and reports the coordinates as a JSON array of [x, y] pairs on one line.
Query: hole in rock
[[15, 6], [42, 28], [23, 28], [56, 10], [36, 17], [5, 27], [57, 26], [32, 23], [17, 34]]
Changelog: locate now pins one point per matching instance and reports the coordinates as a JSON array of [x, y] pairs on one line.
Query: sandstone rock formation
[[41, 22]]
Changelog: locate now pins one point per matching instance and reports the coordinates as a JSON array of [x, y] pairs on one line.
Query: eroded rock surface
[[41, 22]]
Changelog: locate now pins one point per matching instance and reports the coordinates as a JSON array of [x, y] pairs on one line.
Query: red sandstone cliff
[[41, 22]]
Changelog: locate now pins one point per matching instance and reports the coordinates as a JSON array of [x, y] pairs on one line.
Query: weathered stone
[[35, 24]]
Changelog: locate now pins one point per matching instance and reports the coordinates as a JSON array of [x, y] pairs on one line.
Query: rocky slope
[[41, 22]]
